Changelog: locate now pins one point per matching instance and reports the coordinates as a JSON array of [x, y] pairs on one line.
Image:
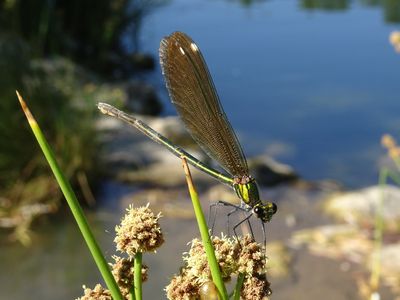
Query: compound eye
[[257, 210], [274, 208]]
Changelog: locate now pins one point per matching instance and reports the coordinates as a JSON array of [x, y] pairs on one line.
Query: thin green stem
[[137, 277], [73, 204], [132, 293], [208, 246], [238, 286], [397, 162], [378, 233], [387, 173], [384, 175]]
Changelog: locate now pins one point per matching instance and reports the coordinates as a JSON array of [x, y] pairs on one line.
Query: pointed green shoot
[[73, 204]]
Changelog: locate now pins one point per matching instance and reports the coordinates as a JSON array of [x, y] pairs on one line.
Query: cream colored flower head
[[235, 257], [225, 251], [123, 271], [139, 231], [98, 293], [252, 259], [183, 287]]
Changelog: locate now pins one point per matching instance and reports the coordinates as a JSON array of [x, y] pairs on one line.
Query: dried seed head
[[196, 261], [234, 257], [395, 40], [123, 270], [255, 288], [390, 144], [388, 141], [183, 287], [98, 293], [196, 258], [139, 231], [252, 260]]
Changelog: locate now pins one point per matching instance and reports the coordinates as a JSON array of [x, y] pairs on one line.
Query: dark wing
[[192, 91]]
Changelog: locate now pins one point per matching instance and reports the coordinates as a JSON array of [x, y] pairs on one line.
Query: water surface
[[315, 87]]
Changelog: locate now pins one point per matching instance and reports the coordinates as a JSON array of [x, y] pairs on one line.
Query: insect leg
[[241, 222]]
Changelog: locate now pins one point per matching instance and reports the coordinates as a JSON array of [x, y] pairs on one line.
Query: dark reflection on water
[[325, 4]]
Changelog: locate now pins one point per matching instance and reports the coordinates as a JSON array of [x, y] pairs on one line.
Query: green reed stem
[[137, 277], [207, 243], [378, 232], [238, 286], [132, 293], [384, 174], [73, 204]]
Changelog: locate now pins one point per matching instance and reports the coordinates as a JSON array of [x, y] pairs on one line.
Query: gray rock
[[360, 206], [269, 172], [390, 261], [390, 258]]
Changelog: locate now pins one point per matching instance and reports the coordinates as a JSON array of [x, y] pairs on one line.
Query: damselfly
[[192, 91]]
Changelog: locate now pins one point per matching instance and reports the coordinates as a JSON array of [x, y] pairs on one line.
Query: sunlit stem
[[384, 175], [207, 243], [137, 276], [238, 286]]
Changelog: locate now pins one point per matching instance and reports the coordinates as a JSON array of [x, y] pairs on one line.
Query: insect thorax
[[247, 190]]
